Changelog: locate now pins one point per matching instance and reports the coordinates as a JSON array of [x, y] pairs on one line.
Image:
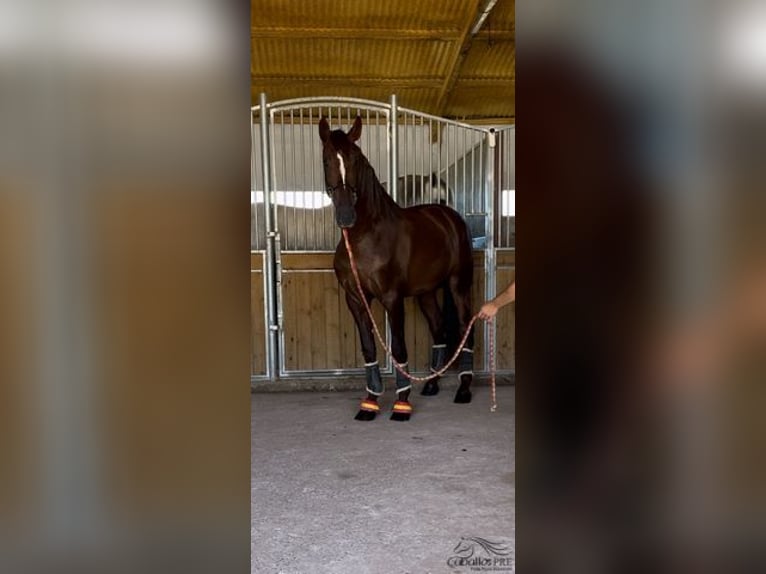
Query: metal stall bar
[[490, 268], [256, 227], [393, 148], [270, 274]]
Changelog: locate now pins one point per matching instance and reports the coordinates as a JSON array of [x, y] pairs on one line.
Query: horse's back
[[436, 219]]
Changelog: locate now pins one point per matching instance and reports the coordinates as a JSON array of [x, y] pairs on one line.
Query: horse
[[400, 252]]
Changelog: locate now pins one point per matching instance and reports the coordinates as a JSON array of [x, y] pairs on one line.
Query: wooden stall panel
[[257, 319], [319, 331]]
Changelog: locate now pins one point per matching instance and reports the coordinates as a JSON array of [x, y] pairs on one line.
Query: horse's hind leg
[[402, 407], [369, 407], [461, 292], [430, 308]]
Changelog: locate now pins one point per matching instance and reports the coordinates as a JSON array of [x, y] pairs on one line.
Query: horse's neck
[[374, 201]]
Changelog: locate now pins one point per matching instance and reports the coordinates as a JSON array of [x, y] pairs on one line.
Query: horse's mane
[[378, 202]]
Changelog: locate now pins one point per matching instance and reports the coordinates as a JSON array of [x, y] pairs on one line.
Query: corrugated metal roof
[[419, 49], [435, 15]]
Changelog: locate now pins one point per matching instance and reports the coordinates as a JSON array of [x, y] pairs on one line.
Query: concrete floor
[[333, 495]]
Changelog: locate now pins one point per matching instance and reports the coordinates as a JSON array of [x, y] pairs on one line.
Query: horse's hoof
[[400, 416], [402, 411], [463, 396], [363, 415], [430, 389]]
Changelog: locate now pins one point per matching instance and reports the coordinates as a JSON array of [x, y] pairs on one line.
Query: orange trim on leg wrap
[[402, 407], [368, 405]]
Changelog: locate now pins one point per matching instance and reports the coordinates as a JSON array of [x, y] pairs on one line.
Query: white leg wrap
[[404, 389]]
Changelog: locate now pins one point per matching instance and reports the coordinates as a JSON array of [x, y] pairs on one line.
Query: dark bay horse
[[400, 252]]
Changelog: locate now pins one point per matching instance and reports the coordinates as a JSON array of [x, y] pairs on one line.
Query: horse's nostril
[[345, 218]]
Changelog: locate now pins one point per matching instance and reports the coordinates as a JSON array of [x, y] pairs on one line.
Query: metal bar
[[270, 266], [473, 174], [454, 162], [464, 159], [490, 270], [392, 148], [482, 191], [440, 142], [504, 166], [254, 228], [294, 186], [320, 181], [420, 153], [443, 120], [393, 157], [328, 101], [380, 148], [367, 135], [312, 182], [430, 148]]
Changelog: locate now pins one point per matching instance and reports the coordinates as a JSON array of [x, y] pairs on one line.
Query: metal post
[[392, 146], [394, 149], [271, 311], [490, 267]]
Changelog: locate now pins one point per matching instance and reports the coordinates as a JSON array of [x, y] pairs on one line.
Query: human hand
[[488, 311]]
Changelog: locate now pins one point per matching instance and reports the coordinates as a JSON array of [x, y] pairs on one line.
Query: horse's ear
[[324, 129], [356, 130]]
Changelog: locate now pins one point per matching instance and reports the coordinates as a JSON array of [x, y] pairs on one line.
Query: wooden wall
[[319, 331], [257, 319]]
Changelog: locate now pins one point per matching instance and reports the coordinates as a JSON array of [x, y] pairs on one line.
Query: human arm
[[490, 308]]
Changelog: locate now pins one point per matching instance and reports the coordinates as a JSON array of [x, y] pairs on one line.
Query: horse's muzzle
[[345, 218]]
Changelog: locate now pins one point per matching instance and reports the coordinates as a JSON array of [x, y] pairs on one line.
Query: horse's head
[[464, 548], [341, 156], [439, 190]]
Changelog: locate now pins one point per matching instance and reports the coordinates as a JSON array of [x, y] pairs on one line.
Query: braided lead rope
[[399, 367], [492, 367]]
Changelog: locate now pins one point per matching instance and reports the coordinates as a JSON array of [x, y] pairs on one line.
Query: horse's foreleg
[[402, 407], [369, 407], [430, 308], [462, 296]]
